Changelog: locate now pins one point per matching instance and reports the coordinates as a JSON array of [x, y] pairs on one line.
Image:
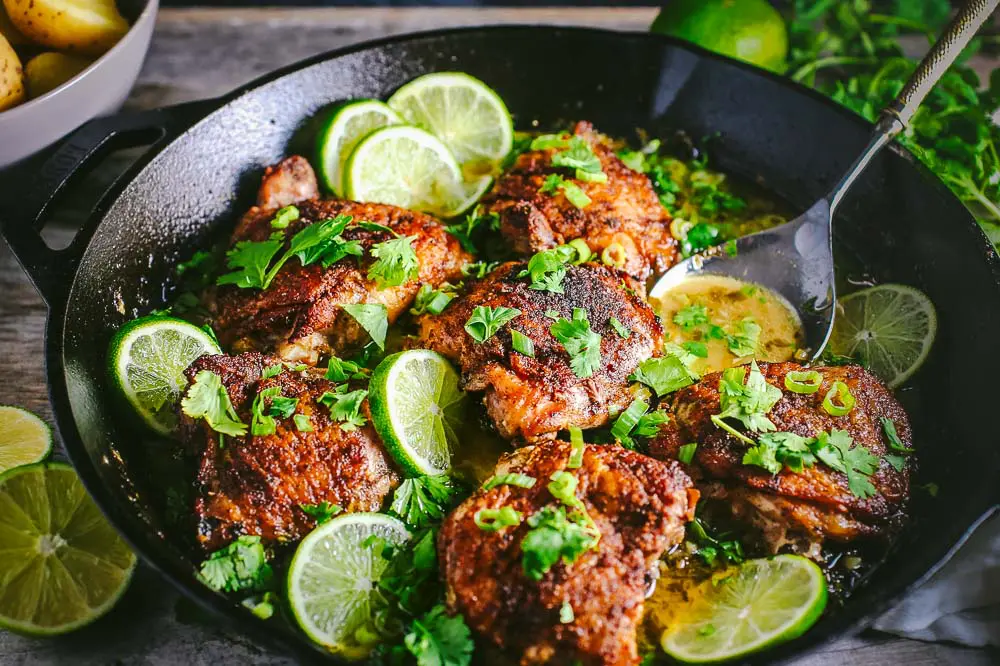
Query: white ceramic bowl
[[98, 90]]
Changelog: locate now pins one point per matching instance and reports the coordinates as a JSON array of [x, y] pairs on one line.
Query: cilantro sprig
[[240, 566], [208, 399], [581, 342]]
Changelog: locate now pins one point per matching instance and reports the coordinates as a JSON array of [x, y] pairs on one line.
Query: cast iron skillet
[[900, 223]]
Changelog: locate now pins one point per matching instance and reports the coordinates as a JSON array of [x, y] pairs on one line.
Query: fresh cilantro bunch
[[852, 52], [747, 402]]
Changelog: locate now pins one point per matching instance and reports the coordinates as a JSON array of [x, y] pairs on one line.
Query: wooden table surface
[[198, 53]]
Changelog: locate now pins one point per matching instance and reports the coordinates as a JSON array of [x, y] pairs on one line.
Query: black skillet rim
[[180, 575]]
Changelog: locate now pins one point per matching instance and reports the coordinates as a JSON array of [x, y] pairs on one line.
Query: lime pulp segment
[[61, 563], [148, 359], [346, 127], [24, 438], [333, 576], [417, 408], [764, 602]]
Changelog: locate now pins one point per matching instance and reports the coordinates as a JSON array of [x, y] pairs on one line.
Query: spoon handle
[[895, 117], [943, 53]]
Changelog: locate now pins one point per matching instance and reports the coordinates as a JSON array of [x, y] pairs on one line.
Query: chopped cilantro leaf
[[284, 217], [745, 338], [302, 423], [479, 269], [548, 268], [433, 301], [471, 225], [424, 500], [522, 343], [321, 512], [494, 520], [580, 157], [373, 317], [691, 316], [339, 370], [714, 549], [776, 450], [396, 262], [283, 407], [345, 406], [272, 371], [263, 423], [437, 639], [486, 321], [581, 343], [249, 261], [664, 374], [208, 399], [623, 331], [554, 536], [858, 463], [699, 349], [240, 566], [895, 443], [574, 194], [747, 403]]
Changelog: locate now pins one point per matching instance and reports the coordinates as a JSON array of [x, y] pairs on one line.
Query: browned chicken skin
[[623, 210], [801, 509], [256, 485], [531, 398], [299, 316], [640, 506]]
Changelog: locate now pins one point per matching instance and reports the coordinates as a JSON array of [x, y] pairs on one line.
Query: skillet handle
[[23, 209]]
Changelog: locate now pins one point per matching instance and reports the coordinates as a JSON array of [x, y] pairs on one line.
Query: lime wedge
[[417, 409], [888, 328], [341, 133], [61, 563], [147, 360], [24, 438], [762, 603], [462, 111], [407, 167], [332, 580]]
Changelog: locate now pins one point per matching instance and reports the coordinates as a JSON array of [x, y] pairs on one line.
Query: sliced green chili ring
[[805, 381], [839, 391], [494, 520], [614, 255], [576, 441], [583, 251]]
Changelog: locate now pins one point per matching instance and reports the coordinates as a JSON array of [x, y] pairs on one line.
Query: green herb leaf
[[339, 370], [262, 423], [664, 374], [554, 536], [208, 399], [302, 423], [321, 512], [623, 331], [581, 343], [272, 371], [396, 262], [578, 156], [745, 338], [284, 217], [494, 520], [486, 321], [747, 403], [249, 262], [858, 463], [686, 452], [423, 500], [698, 349], [283, 407], [433, 301], [522, 343], [373, 317], [240, 566], [895, 443], [345, 406], [548, 268], [690, 316], [439, 640]]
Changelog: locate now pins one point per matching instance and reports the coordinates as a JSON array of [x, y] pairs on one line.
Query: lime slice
[[24, 438], [463, 112], [888, 328], [407, 167], [341, 133], [61, 563], [147, 360], [332, 579], [417, 408], [762, 603]]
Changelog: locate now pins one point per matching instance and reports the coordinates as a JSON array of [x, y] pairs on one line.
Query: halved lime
[[62, 565], [346, 126], [888, 328], [762, 603], [147, 360], [417, 409], [24, 438], [462, 111], [407, 167], [332, 579]]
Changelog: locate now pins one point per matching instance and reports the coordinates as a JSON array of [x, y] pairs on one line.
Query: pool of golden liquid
[[727, 302]]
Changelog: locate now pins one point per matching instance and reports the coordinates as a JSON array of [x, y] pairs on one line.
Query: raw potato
[[48, 71], [8, 30], [83, 26], [11, 76]]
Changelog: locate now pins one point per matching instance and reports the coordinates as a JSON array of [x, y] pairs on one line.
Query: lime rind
[[763, 603], [333, 575], [890, 328], [24, 438], [466, 114], [147, 362], [417, 409], [346, 127], [61, 558]]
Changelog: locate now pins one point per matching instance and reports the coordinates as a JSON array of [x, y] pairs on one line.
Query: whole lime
[[748, 30]]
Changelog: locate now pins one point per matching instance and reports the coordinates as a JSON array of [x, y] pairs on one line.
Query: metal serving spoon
[[796, 259]]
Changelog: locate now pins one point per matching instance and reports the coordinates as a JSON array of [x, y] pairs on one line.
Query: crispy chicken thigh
[[625, 209], [800, 509], [533, 398], [299, 316], [257, 485], [640, 506]]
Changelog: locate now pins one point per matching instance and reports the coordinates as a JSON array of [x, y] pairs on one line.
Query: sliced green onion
[[583, 252], [840, 392], [576, 441], [628, 420], [721, 423], [522, 343], [494, 520], [546, 141], [517, 480], [679, 228], [591, 176], [623, 332], [614, 255], [804, 381], [686, 453], [575, 195], [895, 443]]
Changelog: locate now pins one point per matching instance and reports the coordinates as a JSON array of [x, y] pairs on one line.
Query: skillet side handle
[[25, 206]]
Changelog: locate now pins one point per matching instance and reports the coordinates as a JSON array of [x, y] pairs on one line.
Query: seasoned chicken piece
[[639, 505], [257, 485], [299, 316], [800, 509], [624, 210], [532, 398]]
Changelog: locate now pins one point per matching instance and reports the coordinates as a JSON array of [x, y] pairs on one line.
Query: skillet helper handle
[[943, 53], [24, 210]]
